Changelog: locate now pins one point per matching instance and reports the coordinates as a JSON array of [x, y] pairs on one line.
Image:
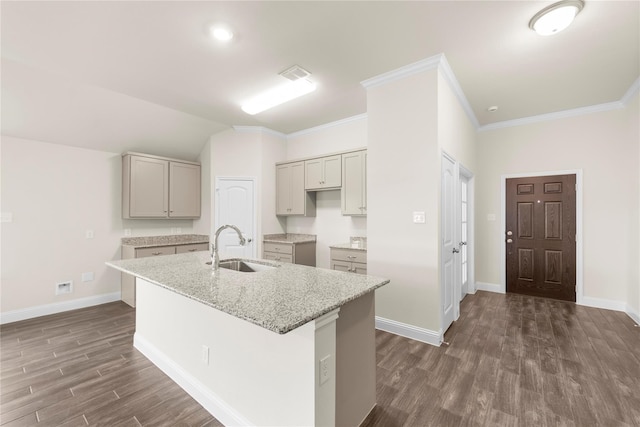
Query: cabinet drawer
[[163, 250], [278, 257], [349, 256], [278, 248], [192, 248]]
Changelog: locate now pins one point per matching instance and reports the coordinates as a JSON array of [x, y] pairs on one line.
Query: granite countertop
[[355, 243], [153, 241], [279, 299], [289, 238]]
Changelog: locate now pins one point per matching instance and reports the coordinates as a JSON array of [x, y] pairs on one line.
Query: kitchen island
[[285, 345]]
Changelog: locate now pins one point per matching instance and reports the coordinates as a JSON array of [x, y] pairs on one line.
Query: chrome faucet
[[215, 259]]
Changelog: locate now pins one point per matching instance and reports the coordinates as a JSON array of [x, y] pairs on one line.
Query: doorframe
[[216, 216], [471, 277], [579, 216], [458, 170]]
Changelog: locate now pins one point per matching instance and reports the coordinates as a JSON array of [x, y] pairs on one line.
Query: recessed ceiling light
[[279, 95], [492, 109], [221, 33], [555, 18]]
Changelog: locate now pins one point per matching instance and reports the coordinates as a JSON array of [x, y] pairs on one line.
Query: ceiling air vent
[[294, 73]]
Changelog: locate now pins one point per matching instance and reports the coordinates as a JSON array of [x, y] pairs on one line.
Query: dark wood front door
[[541, 236]]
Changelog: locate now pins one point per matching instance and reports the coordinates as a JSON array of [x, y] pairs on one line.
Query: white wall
[[633, 291], [604, 148], [329, 225], [404, 176], [56, 193], [249, 153]]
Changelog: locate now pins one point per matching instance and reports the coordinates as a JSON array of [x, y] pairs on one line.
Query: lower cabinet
[[295, 253], [353, 261], [128, 282]]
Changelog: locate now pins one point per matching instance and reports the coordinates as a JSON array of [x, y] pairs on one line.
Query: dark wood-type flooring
[[512, 360]]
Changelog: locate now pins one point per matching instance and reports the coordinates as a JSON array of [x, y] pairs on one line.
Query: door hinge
[[575, 187]]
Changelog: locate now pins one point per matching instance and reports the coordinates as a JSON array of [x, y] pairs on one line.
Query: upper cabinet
[[158, 187], [291, 197], [354, 183], [324, 173]]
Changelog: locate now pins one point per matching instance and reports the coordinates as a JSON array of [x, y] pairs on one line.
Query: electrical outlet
[[87, 277], [88, 234], [205, 355], [178, 230], [127, 232], [419, 217], [324, 369]]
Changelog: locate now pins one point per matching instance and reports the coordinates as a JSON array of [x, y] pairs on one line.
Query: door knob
[[509, 233], [461, 244], [509, 241], [455, 250]]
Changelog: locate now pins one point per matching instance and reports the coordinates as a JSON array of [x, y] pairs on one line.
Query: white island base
[[320, 374]]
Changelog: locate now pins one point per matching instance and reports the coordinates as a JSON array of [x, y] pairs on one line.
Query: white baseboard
[[633, 314], [607, 304], [59, 307], [203, 395], [489, 287], [409, 331]]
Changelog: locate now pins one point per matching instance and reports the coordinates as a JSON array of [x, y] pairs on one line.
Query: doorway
[[540, 236], [456, 265], [235, 204]]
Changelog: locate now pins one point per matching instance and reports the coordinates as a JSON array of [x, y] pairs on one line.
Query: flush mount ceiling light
[[221, 32], [298, 85], [555, 18]]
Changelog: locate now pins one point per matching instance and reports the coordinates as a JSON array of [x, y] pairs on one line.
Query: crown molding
[[258, 129], [403, 72], [450, 78], [609, 106], [631, 92], [438, 61], [326, 126]]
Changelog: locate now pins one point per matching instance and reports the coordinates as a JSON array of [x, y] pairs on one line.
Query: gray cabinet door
[[323, 173], [283, 189], [291, 197], [354, 173], [148, 180], [184, 190]]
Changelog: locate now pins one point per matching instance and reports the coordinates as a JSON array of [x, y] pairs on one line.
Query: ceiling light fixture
[[555, 18], [492, 109], [221, 33], [298, 86]]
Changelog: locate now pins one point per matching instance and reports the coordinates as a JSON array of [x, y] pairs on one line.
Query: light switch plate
[[419, 218], [6, 217], [491, 217]]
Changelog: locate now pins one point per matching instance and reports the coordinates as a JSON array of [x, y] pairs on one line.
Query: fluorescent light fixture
[[221, 33], [555, 18], [279, 95]]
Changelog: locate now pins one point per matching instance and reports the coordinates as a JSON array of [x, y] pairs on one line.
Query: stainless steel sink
[[244, 266]]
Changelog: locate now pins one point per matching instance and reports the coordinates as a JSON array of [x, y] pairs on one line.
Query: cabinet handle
[[156, 253], [277, 258], [192, 250], [351, 256]]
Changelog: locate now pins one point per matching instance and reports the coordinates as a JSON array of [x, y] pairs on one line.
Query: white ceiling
[[146, 76]]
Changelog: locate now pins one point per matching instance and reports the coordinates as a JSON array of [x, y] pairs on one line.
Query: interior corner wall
[[604, 148], [329, 225], [55, 194], [204, 224], [403, 177], [456, 133], [249, 154]]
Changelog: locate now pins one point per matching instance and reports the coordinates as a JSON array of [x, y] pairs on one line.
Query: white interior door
[[235, 205], [449, 242]]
